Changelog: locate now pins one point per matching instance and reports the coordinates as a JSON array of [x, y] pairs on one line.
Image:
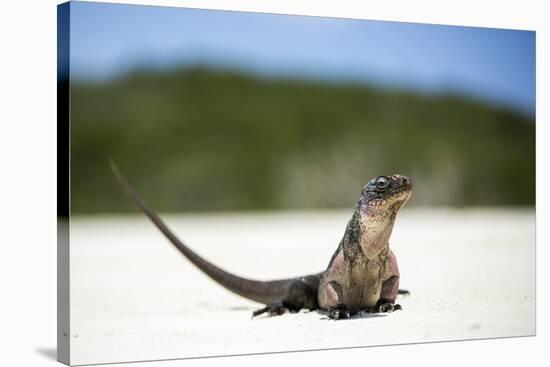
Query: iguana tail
[[261, 291]]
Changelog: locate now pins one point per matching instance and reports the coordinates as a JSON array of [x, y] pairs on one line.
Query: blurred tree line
[[197, 139]]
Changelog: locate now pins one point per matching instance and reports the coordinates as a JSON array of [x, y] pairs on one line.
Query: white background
[[28, 181]]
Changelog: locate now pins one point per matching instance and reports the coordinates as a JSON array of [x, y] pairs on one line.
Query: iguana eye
[[382, 182]]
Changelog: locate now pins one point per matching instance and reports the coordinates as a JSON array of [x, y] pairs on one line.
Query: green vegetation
[[198, 139]]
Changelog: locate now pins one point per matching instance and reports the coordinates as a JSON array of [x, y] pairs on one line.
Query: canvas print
[[235, 183]]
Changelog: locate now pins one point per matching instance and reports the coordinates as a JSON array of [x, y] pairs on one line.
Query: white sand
[[471, 274]]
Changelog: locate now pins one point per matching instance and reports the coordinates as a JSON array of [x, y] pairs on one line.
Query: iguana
[[362, 274]]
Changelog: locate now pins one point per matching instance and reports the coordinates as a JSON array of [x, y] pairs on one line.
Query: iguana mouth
[[401, 193], [397, 192]]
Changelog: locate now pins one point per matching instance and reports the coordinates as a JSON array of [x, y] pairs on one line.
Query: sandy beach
[[471, 274]]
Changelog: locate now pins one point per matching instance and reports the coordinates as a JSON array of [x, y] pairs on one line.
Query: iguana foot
[[340, 312], [384, 307], [272, 309]]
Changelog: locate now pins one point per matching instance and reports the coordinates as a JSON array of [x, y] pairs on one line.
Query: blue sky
[[496, 66]]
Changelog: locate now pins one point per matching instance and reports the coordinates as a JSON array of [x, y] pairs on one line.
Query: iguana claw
[[384, 307], [272, 309], [340, 312]]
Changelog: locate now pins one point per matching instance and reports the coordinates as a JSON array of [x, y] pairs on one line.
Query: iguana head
[[386, 193]]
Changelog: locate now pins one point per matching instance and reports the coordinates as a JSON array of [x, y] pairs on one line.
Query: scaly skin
[[361, 276]]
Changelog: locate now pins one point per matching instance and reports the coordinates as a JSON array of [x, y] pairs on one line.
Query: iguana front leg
[[386, 303], [390, 288], [337, 310]]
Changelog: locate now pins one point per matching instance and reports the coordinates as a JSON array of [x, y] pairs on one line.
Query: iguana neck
[[370, 230]]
